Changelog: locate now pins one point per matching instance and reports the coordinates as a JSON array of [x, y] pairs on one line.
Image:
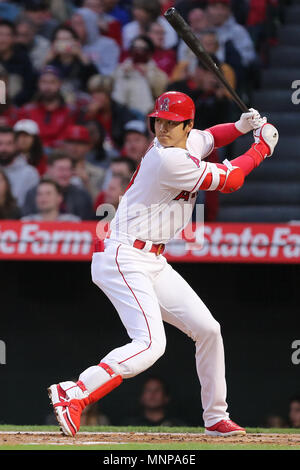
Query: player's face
[[172, 133]]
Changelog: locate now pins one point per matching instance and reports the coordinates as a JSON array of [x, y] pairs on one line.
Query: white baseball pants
[[146, 290]]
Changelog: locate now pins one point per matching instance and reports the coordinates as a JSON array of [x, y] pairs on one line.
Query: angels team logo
[[165, 105]]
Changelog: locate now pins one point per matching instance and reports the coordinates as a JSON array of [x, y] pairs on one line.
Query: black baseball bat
[[185, 32]]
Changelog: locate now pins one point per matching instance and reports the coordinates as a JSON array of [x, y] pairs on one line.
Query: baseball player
[[132, 271]]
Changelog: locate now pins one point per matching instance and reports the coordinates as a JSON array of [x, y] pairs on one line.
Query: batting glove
[[250, 121]]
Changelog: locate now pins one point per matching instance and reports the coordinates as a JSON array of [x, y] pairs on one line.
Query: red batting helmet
[[174, 106]]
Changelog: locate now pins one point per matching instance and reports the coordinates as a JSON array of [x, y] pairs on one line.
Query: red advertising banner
[[212, 242]]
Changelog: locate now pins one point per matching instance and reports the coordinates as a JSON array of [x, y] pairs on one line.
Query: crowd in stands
[[81, 76]]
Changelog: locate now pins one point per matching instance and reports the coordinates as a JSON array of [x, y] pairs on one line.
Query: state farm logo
[[35, 239], [244, 243]]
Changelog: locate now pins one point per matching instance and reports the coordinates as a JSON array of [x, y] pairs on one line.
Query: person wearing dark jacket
[[76, 201], [17, 64], [212, 103], [67, 56], [112, 115]]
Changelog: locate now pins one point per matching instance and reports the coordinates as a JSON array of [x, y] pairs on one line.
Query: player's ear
[[188, 125], [192, 122]]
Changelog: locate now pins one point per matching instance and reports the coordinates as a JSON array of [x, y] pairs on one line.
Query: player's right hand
[[250, 121]]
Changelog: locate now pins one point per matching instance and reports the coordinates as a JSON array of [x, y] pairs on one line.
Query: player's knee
[[154, 350], [215, 328], [211, 329], [158, 348]]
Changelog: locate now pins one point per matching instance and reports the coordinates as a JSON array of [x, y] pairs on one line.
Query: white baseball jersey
[[159, 201]]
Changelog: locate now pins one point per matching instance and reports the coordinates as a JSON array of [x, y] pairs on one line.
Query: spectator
[[198, 21], [121, 168], [39, 13], [8, 111], [274, 421], [115, 190], [36, 46], [165, 5], [154, 401], [226, 56], [29, 144], [49, 197], [104, 52], [17, 63], [49, 110], [101, 152], [185, 6], [20, 174], [67, 56], [211, 101], [86, 175], [76, 201], [294, 411], [93, 416], [9, 11], [165, 59], [230, 60], [187, 61], [137, 140], [262, 22], [8, 204], [112, 115], [144, 13], [108, 25], [202, 28], [220, 16], [116, 10], [61, 9], [138, 80]]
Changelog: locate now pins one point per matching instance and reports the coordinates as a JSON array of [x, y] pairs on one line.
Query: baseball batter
[[132, 271]]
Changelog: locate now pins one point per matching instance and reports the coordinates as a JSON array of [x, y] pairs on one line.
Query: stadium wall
[[55, 323]]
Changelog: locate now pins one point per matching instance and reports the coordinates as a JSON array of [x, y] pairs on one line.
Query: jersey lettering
[[185, 195], [195, 160]]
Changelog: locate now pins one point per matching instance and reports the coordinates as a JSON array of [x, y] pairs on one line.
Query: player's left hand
[[250, 121]]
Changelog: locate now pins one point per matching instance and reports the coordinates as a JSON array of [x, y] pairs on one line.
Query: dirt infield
[[98, 438]]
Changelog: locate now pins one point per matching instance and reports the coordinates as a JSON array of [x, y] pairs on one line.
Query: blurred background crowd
[[81, 77]]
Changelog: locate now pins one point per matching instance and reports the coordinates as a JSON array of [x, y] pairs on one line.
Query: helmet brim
[[167, 115]]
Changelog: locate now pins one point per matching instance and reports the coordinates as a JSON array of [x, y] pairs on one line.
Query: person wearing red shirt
[[165, 59], [108, 25], [49, 110]]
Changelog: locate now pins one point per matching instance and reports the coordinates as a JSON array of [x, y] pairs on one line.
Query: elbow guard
[[234, 180], [224, 178]]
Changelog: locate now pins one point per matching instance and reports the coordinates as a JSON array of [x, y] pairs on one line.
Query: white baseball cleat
[[268, 135]]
